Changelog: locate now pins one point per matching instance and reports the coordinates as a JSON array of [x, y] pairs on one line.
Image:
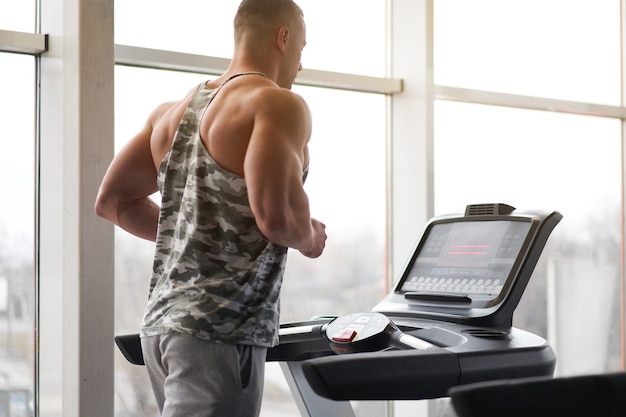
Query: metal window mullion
[[528, 102], [623, 190], [23, 42], [178, 61]]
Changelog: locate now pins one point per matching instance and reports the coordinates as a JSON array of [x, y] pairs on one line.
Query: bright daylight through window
[[17, 180], [17, 285]]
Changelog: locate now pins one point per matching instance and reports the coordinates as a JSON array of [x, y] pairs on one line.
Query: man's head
[[277, 25]]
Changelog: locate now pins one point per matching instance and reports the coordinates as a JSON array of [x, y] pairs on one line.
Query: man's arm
[[123, 197], [273, 169]]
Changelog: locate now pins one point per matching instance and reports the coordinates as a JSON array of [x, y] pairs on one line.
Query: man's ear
[[283, 37]]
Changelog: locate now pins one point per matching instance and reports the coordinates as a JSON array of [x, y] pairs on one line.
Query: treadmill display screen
[[473, 258]]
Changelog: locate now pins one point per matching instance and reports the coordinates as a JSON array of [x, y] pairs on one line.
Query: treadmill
[[446, 323]]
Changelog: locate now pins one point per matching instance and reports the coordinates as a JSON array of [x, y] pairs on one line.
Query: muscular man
[[229, 161]]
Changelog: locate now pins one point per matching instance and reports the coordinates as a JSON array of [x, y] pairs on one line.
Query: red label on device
[[344, 336]]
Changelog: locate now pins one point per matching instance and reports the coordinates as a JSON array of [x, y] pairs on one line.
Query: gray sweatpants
[[196, 378]]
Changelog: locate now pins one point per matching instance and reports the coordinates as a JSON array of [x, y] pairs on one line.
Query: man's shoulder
[[169, 109], [277, 98]]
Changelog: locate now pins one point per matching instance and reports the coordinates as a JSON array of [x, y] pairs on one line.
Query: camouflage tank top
[[215, 276]]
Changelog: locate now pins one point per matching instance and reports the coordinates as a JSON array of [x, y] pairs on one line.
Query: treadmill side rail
[[420, 374], [384, 376]]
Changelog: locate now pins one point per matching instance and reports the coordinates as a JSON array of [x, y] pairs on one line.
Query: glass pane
[[346, 186], [17, 15], [560, 49], [543, 160], [359, 45], [346, 192], [206, 28], [17, 214]]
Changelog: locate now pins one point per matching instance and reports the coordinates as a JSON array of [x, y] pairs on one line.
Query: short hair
[[258, 16]]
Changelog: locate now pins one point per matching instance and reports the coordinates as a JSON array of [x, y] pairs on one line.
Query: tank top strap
[[207, 94], [244, 73]]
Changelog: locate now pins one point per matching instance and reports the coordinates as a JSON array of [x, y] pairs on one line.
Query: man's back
[[215, 275], [227, 126]]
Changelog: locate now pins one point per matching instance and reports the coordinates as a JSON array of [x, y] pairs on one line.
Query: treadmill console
[[472, 268], [466, 262]]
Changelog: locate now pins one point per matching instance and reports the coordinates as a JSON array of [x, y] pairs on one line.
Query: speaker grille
[[488, 209]]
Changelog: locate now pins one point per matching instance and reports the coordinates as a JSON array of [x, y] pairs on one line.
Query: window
[[541, 159], [347, 188], [559, 49], [17, 16], [17, 215], [205, 28]]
